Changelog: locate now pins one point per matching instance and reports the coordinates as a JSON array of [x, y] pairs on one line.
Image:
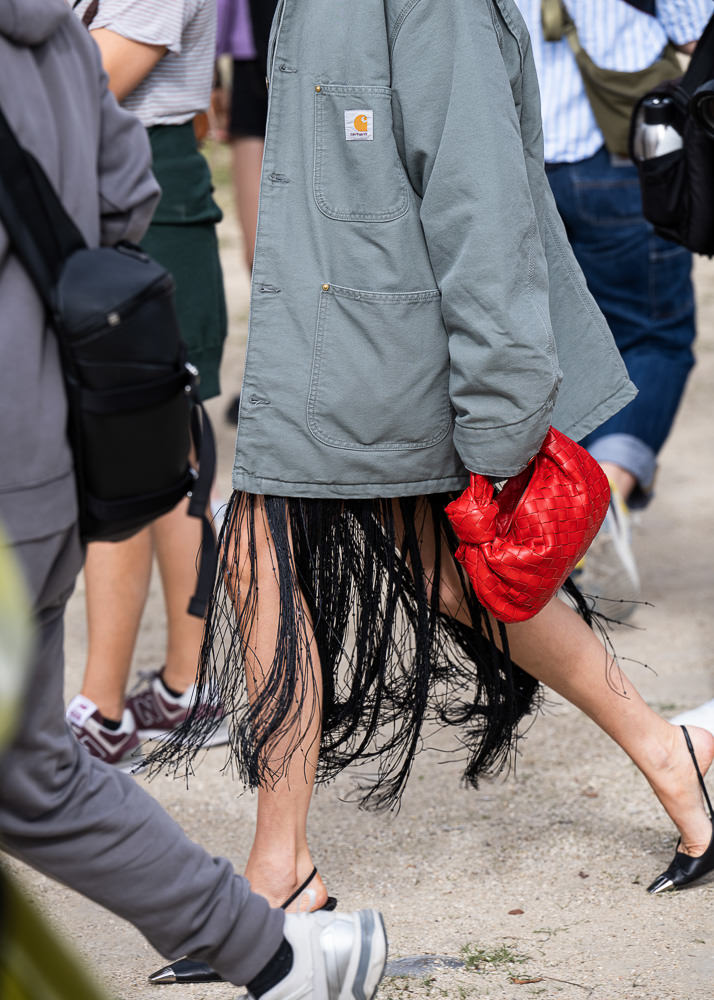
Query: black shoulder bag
[[134, 409], [678, 186]]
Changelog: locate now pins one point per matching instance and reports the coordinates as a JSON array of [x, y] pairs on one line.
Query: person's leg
[[247, 159], [624, 481], [643, 285], [117, 576], [280, 858], [249, 111], [558, 648], [176, 541], [95, 829]]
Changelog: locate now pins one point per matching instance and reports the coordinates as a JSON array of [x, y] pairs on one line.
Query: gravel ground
[[538, 879]]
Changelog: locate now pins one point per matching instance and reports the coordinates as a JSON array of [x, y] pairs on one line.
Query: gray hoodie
[[53, 92]]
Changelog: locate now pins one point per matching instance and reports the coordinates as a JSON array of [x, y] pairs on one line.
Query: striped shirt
[[615, 36], [179, 86]]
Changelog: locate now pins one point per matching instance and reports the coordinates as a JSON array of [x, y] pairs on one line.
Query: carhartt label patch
[[359, 125]]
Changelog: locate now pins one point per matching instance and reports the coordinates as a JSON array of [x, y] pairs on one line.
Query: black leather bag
[[134, 409], [678, 187]]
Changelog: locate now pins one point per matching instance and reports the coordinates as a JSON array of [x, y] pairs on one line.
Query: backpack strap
[[41, 232], [90, 13], [205, 445], [701, 65], [646, 6]]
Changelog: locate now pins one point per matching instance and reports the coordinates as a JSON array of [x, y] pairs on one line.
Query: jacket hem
[[261, 485], [590, 421]]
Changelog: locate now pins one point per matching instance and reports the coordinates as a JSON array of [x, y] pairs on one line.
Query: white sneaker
[[336, 956], [702, 715], [119, 747], [608, 573], [158, 713]]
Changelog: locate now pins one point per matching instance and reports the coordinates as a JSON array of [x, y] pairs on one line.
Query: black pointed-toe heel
[[189, 970], [684, 868]]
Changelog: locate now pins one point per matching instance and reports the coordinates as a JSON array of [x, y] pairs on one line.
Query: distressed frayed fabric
[[395, 668]]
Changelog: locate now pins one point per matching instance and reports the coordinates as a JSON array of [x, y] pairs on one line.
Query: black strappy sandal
[[188, 970], [330, 904], [685, 869]]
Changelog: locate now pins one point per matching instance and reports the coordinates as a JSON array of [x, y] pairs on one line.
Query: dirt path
[[539, 878]]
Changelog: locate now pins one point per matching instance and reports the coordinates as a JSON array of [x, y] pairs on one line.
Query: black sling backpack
[[134, 409]]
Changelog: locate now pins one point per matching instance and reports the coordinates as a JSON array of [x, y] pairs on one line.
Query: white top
[[615, 36], [179, 87]]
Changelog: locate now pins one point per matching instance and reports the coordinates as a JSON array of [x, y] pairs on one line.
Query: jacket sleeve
[[457, 126], [128, 191]]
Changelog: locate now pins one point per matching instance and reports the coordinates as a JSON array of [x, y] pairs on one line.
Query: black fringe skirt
[[376, 631]]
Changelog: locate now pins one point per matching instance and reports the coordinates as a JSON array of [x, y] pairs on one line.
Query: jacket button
[[325, 288]]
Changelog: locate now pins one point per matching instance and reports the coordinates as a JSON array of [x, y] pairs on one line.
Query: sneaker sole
[[220, 737], [374, 951], [131, 765]]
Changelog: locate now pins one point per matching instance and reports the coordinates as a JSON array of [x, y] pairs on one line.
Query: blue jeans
[[643, 285]]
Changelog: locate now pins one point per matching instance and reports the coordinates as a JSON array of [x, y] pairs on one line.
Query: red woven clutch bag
[[519, 546]]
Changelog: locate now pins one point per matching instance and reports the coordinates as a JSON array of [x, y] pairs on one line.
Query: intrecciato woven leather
[[520, 545]]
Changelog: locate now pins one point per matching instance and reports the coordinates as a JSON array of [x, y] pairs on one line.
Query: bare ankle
[[109, 708]]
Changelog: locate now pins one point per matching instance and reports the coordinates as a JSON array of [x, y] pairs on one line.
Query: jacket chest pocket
[[358, 176]]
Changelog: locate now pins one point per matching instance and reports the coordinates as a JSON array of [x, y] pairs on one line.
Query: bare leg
[[558, 648], [623, 480], [176, 540], [561, 651], [117, 578], [247, 163], [280, 858]]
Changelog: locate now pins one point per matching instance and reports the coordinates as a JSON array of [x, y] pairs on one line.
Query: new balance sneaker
[[157, 712], [336, 956], [607, 575], [119, 747]]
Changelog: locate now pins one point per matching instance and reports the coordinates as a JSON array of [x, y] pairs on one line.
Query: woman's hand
[[125, 61]]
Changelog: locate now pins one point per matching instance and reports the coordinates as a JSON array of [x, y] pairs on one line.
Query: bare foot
[[676, 786], [277, 884]]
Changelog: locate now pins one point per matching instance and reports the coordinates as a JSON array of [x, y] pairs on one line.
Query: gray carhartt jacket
[[416, 308], [98, 158]]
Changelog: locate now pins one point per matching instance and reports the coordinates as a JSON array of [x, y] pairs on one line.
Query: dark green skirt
[[182, 237]]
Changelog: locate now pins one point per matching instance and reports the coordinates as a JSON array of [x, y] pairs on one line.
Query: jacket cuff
[[503, 451]]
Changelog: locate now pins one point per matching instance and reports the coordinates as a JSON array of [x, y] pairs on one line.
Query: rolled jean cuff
[[633, 455]]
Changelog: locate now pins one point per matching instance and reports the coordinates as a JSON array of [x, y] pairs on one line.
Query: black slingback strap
[[300, 889], [705, 793]]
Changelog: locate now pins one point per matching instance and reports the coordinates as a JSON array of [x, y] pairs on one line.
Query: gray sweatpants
[[93, 828]]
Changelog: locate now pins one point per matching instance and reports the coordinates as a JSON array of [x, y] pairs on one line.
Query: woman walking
[[417, 315]]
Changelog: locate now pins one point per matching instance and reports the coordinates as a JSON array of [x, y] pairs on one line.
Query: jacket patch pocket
[[358, 176], [380, 371]]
